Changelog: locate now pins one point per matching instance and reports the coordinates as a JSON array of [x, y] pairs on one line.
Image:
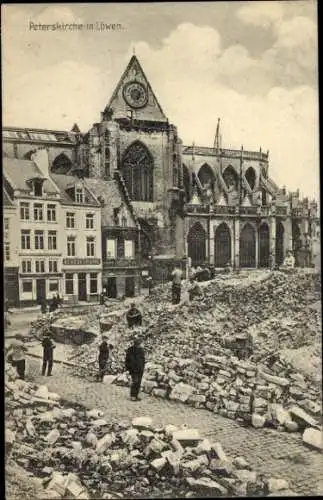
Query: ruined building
[[217, 206]]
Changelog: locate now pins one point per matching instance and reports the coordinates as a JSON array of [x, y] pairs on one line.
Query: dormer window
[[79, 195], [38, 187]]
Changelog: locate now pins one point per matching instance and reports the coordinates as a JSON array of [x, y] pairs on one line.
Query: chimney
[[40, 157]]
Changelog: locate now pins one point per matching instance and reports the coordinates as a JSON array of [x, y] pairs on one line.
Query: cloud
[[262, 14], [281, 119]]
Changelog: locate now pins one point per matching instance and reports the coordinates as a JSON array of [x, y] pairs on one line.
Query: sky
[[253, 64]]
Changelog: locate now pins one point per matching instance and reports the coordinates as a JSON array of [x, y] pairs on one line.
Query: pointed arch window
[[137, 171], [62, 164], [206, 176]]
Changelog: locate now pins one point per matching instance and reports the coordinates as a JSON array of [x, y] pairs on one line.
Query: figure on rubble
[[289, 261], [177, 275], [43, 306], [48, 354], [194, 290], [53, 304], [134, 316], [135, 365], [16, 355], [104, 355]]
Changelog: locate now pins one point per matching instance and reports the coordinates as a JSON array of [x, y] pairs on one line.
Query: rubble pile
[[79, 455], [235, 389]]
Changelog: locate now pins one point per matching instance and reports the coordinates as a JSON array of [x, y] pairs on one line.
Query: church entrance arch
[[196, 243], [264, 249], [248, 246], [279, 243], [222, 246]]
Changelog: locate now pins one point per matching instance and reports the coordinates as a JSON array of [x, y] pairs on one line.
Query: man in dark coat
[[135, 365], [134, 316], [104, 352], [48, 354]]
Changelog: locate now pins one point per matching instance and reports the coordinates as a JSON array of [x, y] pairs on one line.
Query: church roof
[[38, 135], [227, 153], [18, 172]]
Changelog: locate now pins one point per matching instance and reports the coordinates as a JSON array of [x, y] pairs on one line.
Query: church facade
[[203, 205]]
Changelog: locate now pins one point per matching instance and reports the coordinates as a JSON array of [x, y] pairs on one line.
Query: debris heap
[[78, 454]]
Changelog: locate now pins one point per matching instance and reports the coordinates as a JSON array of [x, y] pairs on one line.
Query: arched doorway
[[137, 171], [62, 164], [186, 183], [250, 177], [297, 243], [196, 240], [264, 249], [248, 246], [279, 243], [222, 246]]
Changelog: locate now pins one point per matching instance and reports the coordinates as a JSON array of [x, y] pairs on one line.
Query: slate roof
[[18, 172], [64, 182], [229, 153], [6, 200], [38, 135]]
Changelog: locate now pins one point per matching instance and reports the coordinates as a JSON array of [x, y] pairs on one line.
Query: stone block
[[100, 422], [281, 381], [246, 475], [240, 463], [94, 414], [313, 438], [303, 418], [42, 392], [275, 485], [187, 437], [142, 422], [130, 436], [57, 483], [291, 426], [182, 392], [158, 464], [104, 443], [159, 393], [170, 429], [52, 436], [258, 421], [109, 379], [219, 452], [209, 486], [220, 468], [203, 447], [91, 439]]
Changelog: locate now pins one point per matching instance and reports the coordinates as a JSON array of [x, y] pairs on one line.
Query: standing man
[[134, 316], [104, 353], [176, 286], [16, 355], [48, 354], [135, 365]]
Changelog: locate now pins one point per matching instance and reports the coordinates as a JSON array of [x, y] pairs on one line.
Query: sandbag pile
[[81, 455]]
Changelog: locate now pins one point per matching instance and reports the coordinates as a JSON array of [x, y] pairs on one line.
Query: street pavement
[[278, 454]]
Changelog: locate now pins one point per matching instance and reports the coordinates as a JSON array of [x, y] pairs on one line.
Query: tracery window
[[137, 171]]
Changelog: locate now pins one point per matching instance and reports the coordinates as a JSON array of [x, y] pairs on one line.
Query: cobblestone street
[[277, 454]]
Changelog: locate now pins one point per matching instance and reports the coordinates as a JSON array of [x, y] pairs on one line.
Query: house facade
[[80, 239]]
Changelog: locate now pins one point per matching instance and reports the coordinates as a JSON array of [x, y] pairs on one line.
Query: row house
[[121, 274], [51, 257], [37, 201], [80, 239], [10, 250]]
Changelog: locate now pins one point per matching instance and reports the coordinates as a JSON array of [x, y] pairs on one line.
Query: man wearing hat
[[104, 353], [135, 365], [16, 355], [48, 354], [134, 316]]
